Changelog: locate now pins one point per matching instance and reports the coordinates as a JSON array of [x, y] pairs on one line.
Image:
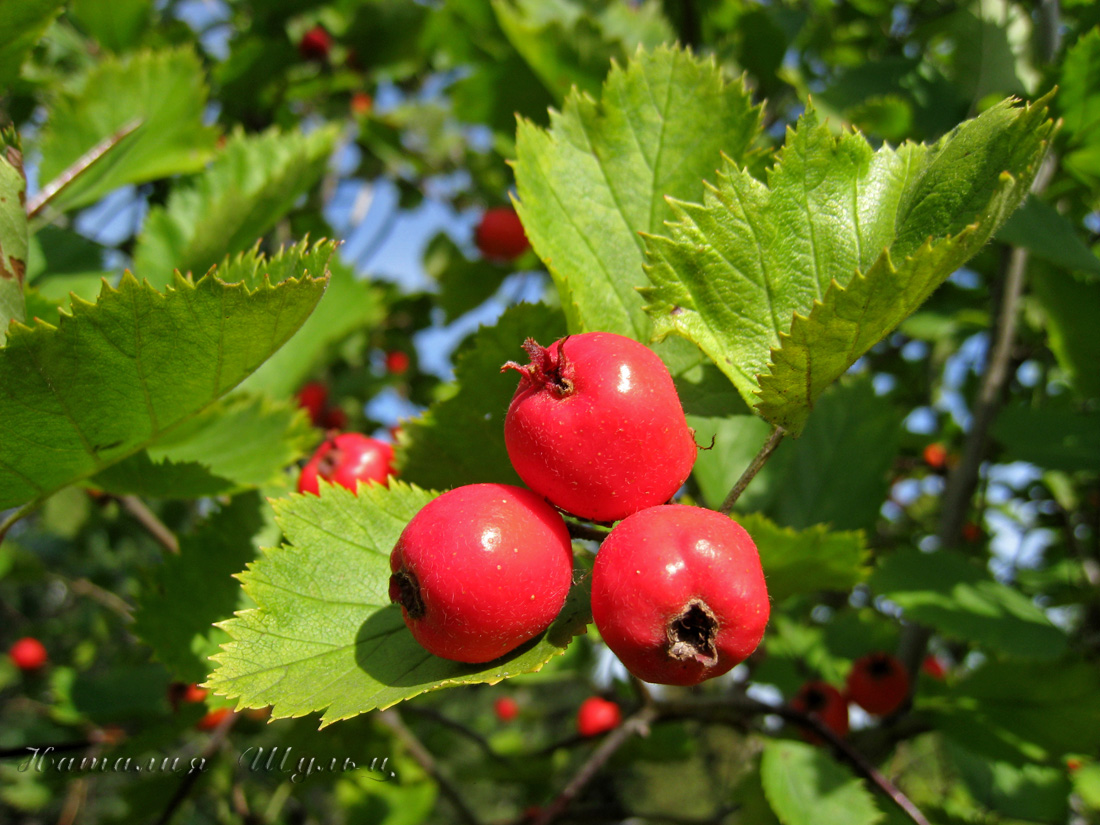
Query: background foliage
[[863, 228]]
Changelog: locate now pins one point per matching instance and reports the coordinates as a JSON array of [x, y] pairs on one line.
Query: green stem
[[750, 472]]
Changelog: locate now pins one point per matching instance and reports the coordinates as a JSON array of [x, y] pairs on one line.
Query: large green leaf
[[164, 91], [785, 284], [1079, 98], [1054, 439], [13, 231], [323, 634], [190, 591], [253, 183], [239, 443], [114, 376], [21, 25], [1071, 306], [951, 594], [805, 786], [1048, 234], [460, 440], [806, 561], [601, 174]]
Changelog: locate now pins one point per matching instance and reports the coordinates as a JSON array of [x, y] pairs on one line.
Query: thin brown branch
[[81, 165], [148, 519], [113, 602], [423, 757], [637, 724], [587, 532], [458, 727], [750, 472], [188, 782]]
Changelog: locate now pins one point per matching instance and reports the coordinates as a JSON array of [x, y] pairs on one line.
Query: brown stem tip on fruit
[[692, 633], [405, 591], [546, 368]]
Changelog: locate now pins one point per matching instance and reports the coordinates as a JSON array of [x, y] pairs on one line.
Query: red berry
[[878, 683], [506, 708], [397, 362], [346, 460], [1073, 764], [315, 44], [212, 719], [933, 667], [596, 716], [500, 235], [824, 701], [596, 426], [28, 654], [361, 104], [935, 456], [480, 570], [678, 594], [971, 533], [313, 397], [335, 419]]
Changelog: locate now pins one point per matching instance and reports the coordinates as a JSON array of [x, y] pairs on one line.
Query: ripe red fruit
[[597, 715], [506, 708], [935, 456], [397, 362], [315, 44], [878, 683], [678, 594], [596, 426], [824, 701], [212, 719], [361, 104], [480, 570], [933, 667], [500, 235], [28, 654], [346, 460], [313, 398]]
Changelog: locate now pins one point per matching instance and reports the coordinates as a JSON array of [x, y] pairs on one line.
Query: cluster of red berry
[[595, 429], [877, 682]]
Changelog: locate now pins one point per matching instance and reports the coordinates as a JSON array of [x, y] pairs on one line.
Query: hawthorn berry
[[28, 654], [971, 533], [878, 683], [480, 570], [935, 456], [934, 667], [315, 44], [828, 704], [313, 398], [347, 459], [181, 692], [361, 104], [506, 708], [678, 594], [596, 426], [500, 236], [397, 362], [212, 719], [597, 715]]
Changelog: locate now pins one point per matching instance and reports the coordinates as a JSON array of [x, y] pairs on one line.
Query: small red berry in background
[[597, 715], [212, 719], [678, 594], [828, 704], [313, 398], [347, 459], [1073, 764], [506, 708], [935, 456], [480, 570], [933, 667], [361, 104], [28, 654], [878, 683], [397, 362], [500, 235], [971, 533], [315, 44], [596, 426]]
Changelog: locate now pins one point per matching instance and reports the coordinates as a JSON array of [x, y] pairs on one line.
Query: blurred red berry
[[397, 362], [935, 456], [933, 667], [312, 398], [361, 104], [335, 419], [971, 533], [1073, 764], [597, 715], [500, 235], [824, 701], [212, 719], [28, 654], [878, 683], [506, 708], [347, 459], [315, 44]]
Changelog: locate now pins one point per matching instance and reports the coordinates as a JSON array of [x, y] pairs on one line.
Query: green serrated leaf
[[21, 26], [602, 172], [806, 561], [323, 635], [192, 590], [252, 183], [114, 376], [460, 440], [13, 230], [805, 786], [241, 442], [164, 91], [946, 591], [785, 284], [1070, 306]]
